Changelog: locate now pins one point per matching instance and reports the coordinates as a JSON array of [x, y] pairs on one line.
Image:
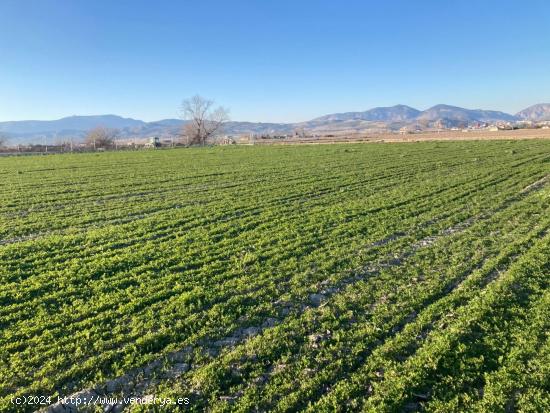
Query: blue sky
[[269, 61]]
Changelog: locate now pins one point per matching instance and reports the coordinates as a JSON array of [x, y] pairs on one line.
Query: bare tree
[[204, 120], [66, 144], [101, 137]]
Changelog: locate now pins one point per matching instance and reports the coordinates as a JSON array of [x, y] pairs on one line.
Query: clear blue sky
[[269, 60]]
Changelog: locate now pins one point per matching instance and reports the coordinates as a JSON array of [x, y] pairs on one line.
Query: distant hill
[[397, 113], [72, 123], [236, 128], [455, 113], [76, 127], [398, 116], [376, 119], [170, 127], [39, 131], [536, 113]]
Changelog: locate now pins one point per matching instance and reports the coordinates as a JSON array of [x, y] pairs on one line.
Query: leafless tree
[[204, 120], [66, 143], [101, 137]]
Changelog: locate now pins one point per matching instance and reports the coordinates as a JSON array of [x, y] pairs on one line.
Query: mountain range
[[376, 119]]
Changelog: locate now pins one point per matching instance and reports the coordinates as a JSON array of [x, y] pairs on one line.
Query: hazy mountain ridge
[[71, 123], [379, 118], [456, 113], [536, 113], [397, 113]]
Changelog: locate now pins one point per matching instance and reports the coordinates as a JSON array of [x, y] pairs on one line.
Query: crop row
[[109, 262]]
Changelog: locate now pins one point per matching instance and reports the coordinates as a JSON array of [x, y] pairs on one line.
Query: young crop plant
[[350, 277]]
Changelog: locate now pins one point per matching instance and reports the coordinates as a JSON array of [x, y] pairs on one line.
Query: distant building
[[227, 140], [153, 142]]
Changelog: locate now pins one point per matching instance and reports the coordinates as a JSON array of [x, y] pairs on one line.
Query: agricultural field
[[351, 277]]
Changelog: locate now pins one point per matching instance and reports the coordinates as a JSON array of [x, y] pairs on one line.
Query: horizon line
[[255, 121]]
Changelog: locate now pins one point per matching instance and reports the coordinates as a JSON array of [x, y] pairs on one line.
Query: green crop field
[[364, 277]]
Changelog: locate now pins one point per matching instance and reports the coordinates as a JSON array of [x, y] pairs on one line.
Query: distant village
[[477, 126], [109, 140]]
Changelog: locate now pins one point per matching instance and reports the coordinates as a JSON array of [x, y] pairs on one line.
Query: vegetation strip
[[269, 278]]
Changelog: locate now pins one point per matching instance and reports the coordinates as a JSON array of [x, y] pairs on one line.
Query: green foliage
[[397, 277]]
